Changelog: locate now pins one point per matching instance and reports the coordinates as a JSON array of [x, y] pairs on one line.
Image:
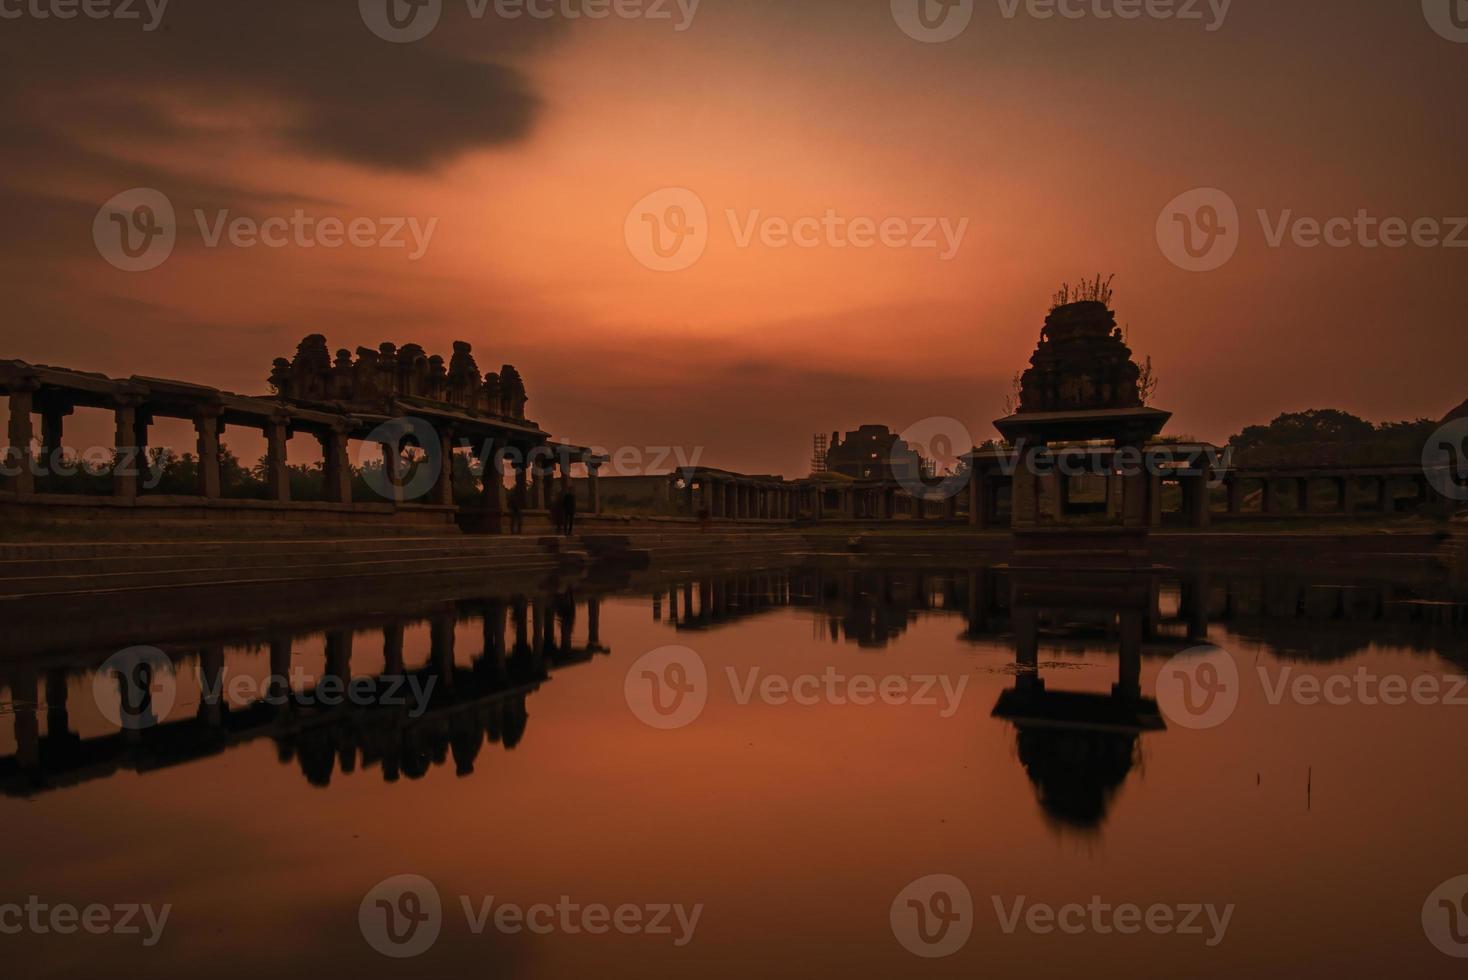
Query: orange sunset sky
[[1059, 141]]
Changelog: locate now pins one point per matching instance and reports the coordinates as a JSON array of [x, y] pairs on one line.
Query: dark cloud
[[333, 89]]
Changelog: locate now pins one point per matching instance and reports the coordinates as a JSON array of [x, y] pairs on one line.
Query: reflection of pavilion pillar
[[392, 648], [1026, 625], [207, 426], [1154, 499], [280, 666], [58, 719], [522, 628], [593, 622], [24, 695], [277, 473], [593, 494], [211, 685], [494, 631], [339, 654], [441, 645], [537, 626], [20, 477], [1129, 670], [705, 597], [125, 444], [688, 602], [1195, 593]]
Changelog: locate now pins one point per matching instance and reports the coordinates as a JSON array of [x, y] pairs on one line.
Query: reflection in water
[[1077, 747], [403, 720]]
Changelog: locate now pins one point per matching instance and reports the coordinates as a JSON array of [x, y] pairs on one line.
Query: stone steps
[[104, 566]]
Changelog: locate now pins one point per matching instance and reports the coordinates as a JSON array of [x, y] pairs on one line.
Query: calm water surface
[[758, 773]]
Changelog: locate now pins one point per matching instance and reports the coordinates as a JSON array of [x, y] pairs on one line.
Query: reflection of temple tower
[[1076, 747]]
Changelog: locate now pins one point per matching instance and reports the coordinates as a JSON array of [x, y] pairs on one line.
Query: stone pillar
[[1025, 502], [593, 494], [337, 469], [52, 423], [978, 500], [1269, 499], [277, 473], [1302, 494], [1235, 487], [280, 667], [392, 469], [1154, 500], [1344, 496], [492, 484], [1199, 511], [19, 475], [444, 488], [1384, 494], [125, 455], [207, 426]]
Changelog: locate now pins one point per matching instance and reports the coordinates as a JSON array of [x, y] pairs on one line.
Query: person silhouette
[[568, 511]]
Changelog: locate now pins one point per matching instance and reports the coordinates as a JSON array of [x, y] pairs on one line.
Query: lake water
[[820, 770]]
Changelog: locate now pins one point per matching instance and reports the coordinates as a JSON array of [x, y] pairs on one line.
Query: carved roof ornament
[[378, 377], [1082, 363]]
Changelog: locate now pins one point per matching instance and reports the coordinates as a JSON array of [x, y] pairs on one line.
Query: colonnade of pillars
[[1346, 497], [733, 499], [133, 414], [534, 632]]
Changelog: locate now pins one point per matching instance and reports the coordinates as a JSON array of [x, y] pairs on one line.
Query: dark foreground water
[[796, 772]]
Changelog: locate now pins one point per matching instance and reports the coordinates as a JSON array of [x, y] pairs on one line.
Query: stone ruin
[[1081, 363], [377, 377]]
